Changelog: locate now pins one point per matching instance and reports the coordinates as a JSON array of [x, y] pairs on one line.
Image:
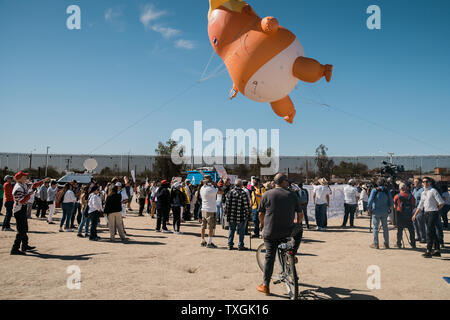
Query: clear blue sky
[[74, 89]]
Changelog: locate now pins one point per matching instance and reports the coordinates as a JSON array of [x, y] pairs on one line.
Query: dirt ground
[[332, 265]]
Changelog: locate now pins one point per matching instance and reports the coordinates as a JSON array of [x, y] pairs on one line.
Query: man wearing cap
[[322, 202], [9, 203], [21, 196], [351, 198], [42, 202], [208, 194], [162, 206], [280, 214], [237, 213]]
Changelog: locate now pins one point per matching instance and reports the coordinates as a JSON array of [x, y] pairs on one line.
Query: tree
[[164, 167], [349, 169], [324, 165]]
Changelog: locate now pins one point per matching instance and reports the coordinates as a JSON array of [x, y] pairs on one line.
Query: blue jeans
[[67, 209], [9, 212], [376, 220], [241, 232], [85, 222], [419, 226], [321, 215], [219, 212], [255, 219]]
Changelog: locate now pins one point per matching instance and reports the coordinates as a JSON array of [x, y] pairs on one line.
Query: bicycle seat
[[284, 240]]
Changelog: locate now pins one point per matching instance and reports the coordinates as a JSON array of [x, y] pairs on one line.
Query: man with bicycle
[[280, 214]]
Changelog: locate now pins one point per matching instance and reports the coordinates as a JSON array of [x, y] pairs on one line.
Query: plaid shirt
[[237, 206]]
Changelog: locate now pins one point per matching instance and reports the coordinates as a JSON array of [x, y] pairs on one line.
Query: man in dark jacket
[[162, 206], [237, 212]]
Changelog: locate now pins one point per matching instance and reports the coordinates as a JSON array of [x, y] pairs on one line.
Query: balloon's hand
[[233, 92], [269, 25]]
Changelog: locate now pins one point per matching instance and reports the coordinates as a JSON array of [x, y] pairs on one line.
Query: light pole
[[31, 157], [46, 162]]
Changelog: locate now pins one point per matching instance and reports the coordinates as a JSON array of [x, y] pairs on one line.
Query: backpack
[[405, 205], [303, 195]]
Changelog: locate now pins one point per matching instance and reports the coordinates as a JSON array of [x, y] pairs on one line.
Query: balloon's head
[[227, 22]]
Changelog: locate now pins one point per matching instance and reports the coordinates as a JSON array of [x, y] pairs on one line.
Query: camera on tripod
[[391, 169]]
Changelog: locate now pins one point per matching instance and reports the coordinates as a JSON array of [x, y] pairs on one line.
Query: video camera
[[391, 169]]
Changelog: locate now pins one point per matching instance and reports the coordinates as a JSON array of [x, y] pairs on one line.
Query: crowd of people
[[275, 209]]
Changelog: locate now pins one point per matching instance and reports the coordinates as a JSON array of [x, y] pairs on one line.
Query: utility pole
[[128, 171], [31, 157], [46, 162]]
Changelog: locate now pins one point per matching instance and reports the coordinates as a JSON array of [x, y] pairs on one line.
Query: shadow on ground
[[332, 293], [45, 256]]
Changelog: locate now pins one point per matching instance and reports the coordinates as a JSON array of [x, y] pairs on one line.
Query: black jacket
[[113, 203], [162, 198]]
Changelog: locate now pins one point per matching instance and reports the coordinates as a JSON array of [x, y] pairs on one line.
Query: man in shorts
[[208, 194]]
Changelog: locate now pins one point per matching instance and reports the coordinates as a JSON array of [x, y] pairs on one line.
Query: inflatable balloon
[[265, 61]]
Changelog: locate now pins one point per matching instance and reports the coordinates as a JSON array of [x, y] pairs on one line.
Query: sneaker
[[436, 253], [211, 245], [80, 235], [51, 222], [8, 229], [167, 231], [69, 230], [242, 249], [318, 228], [427, 254], [203, 244], [175, 232], [61, 230], [230, 248], [262, 288], [17, 252], [94, 239], [125, 239], [157, 230], [374, 246]]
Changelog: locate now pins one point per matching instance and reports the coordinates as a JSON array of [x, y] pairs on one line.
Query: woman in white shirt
[[67, 205]]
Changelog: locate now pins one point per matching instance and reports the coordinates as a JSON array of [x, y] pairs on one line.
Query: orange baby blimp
[[265, 61]]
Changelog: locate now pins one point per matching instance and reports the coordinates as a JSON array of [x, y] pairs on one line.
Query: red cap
[[20, 174], [164, 182]]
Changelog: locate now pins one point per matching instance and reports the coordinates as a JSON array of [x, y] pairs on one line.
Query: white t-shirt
[[321, 194], [208, 194], [219, 199], [350, 194], [364, 196], [69, 196]]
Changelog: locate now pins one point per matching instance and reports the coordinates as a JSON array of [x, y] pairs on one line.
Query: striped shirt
[[21, 196]]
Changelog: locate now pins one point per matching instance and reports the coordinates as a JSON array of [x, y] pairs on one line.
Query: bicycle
[[284, 270]]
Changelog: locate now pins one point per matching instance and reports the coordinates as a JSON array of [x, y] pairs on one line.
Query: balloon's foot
[[290, 118], [328, 72]]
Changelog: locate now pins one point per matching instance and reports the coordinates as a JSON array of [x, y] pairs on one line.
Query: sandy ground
[[332, 265]]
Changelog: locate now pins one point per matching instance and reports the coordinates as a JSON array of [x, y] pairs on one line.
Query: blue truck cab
[[196, 176]]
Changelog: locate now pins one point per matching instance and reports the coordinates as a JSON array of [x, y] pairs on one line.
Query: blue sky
[[75, 89]]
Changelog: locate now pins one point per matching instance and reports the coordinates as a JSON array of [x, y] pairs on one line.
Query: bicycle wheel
[[291, 278], [261, 259]]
